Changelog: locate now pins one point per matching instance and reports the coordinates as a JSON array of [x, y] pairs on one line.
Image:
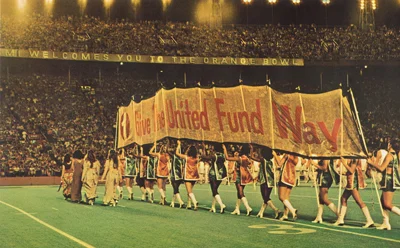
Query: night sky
[[339, 12]]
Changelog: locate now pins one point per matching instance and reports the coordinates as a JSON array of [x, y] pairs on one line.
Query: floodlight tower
[[247, 3], [367, 13], [296, 3], [272, 3], [216, 15]]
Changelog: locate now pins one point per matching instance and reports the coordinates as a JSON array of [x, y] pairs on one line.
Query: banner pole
[[309, 150], [201, 109], [215, 96], [341, 148], [272, 132], [176, 105], [358, 122], [244, 107], [116, 131], [377, 194], [165, 112]]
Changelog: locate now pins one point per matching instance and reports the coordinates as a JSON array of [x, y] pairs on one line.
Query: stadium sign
[[306, 124], [150, 59]]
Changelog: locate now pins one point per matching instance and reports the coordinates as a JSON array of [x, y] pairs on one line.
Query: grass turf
[[141, 224]]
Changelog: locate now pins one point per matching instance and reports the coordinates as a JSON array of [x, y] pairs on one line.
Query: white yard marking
[[55, 209], [84, 244]]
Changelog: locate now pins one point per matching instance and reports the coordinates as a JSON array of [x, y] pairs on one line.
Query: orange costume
[[191, 171], [288, 175], [162, 168]]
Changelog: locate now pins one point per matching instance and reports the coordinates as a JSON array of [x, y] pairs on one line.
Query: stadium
[[108, 106]]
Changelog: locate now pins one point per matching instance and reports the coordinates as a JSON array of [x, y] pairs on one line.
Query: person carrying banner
[[77, 167], [130, 172], [191, 174], [287, 181], [266, 179], [113, 177], [355, 181], [176, 176], [243, 176], [390, 181], [141, 174], [325, 177], [162, 172], [66, 176], [148, 166], [90, 177], [216, 174]]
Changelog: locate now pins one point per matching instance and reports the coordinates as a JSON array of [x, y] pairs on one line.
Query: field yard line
[[337, 230], [55, 209], [291, 195], [49, 226]]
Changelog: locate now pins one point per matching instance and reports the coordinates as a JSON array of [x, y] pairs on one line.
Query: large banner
[[308, 124], [150, 59]]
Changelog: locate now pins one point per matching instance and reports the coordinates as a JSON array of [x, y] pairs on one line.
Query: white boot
[[143, 193], [333, 208], [385, 225], [246, 204], [237, 208], [189, 204], [395, 210], [276, 210], [291, 209], [318, 219], [370, 222], [195, 203], [172, 205], [285, 214], [212, 209], [342, 214], [221, 205], [261, 212], [178, 197]]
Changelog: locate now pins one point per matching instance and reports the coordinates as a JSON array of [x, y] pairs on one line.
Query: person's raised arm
[[351, 168], [178, 150], [258, 158], [153, 153], [385, 163], [227, 155]]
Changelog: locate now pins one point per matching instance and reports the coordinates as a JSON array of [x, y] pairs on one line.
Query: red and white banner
[[307, 124]]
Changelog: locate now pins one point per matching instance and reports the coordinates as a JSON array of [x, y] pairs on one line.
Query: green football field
[[38, 216]]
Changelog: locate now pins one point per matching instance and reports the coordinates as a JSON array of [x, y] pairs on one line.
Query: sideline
[[49, 226]]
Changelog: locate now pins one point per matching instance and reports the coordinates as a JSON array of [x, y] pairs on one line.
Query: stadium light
[[82, 6], [373, 3], [165, 4], [326, 3], [272, 2], [107, 6], [296, 2], [247, 3], [362, 4], [21, 4], [49, 6]]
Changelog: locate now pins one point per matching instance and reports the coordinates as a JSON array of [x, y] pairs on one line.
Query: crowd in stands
[[43, 117], [92, 34]]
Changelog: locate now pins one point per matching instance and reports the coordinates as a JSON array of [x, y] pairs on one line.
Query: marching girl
[[77, 168], [90, 177], [325, 177], [243, 176], [141, 174], [286, 182], [266, 179], [162, 172], [112, 177], [390, 181], [216, 174], [355, 181], [177, 167], [148, 179], [191, 174], [66, 176], [121, 168]]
